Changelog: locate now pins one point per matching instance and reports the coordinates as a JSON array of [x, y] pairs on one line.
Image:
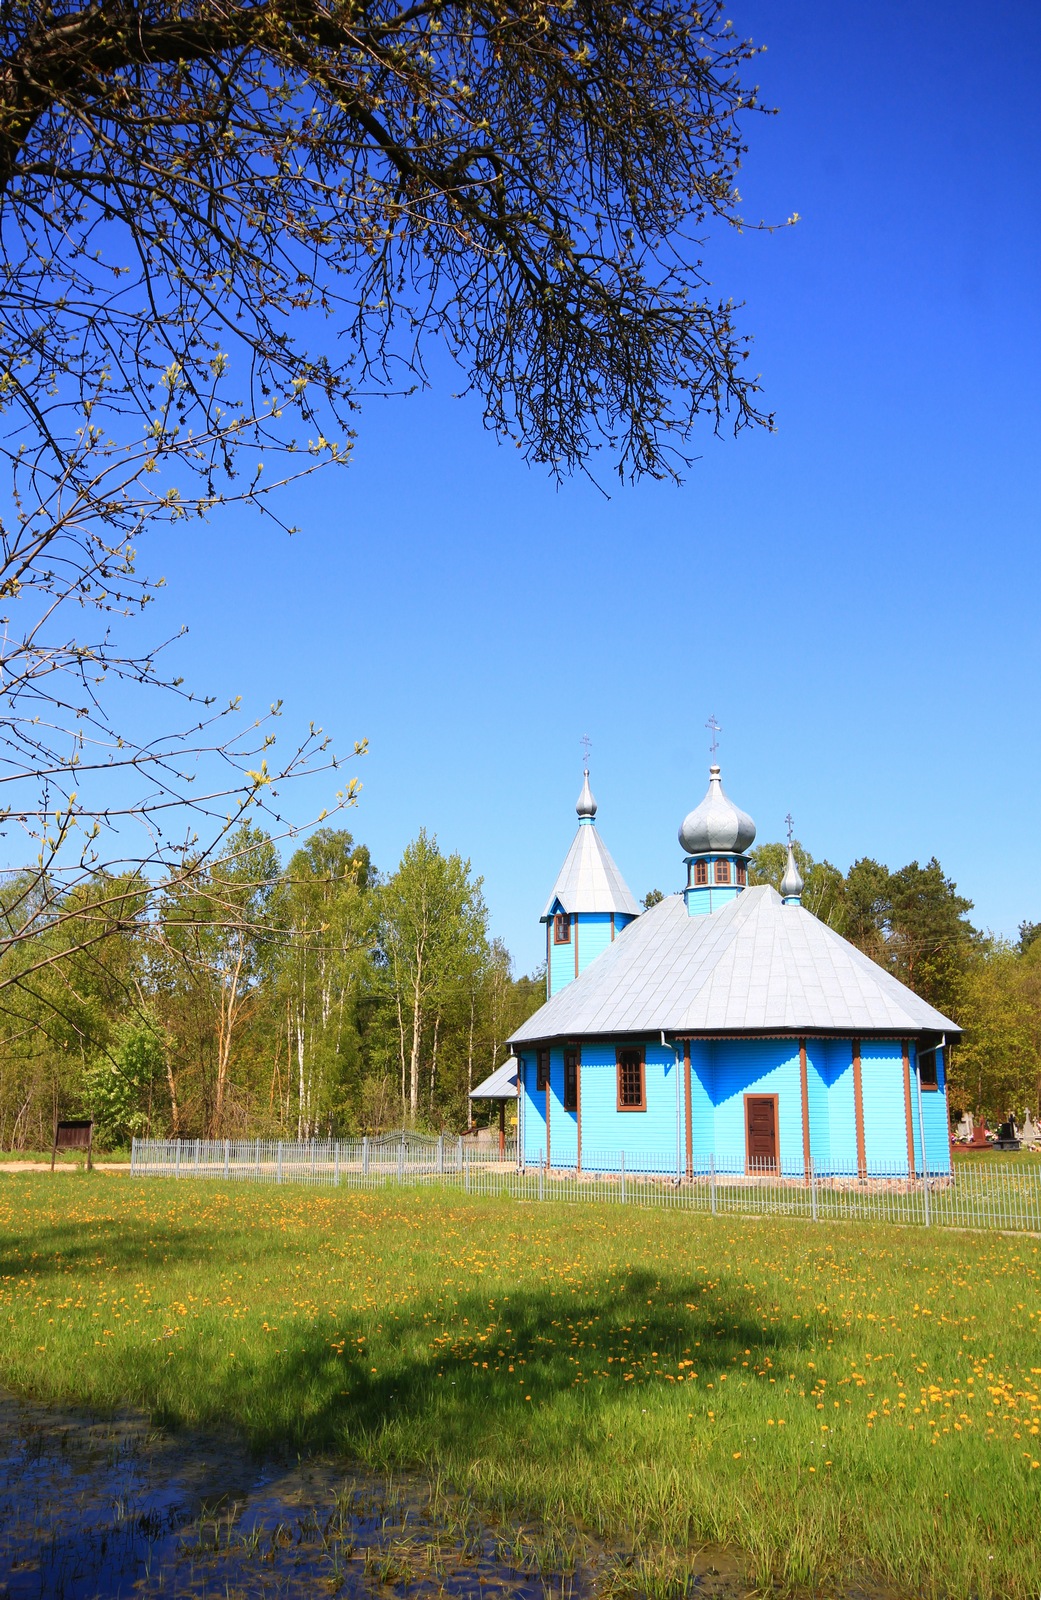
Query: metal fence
[[975, 1193]]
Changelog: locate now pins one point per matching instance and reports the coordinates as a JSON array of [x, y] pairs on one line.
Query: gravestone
[[964, 1128], [1030, 1133]]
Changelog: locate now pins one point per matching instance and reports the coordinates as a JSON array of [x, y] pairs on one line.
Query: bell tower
[[590, 903]]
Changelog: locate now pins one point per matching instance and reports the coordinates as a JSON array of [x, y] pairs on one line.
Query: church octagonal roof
[[753, 966]]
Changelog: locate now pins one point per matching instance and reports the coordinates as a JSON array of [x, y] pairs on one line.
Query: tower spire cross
[[587, 745], [714, 728], [791, 826]]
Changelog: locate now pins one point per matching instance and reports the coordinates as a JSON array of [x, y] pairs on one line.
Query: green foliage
[[653, 897], [118, 1087], [300, 1002], [822, 883]]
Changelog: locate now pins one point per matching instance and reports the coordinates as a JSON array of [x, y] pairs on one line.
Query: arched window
[[742, 874], [722, 871], [561, 928], [701, 872]]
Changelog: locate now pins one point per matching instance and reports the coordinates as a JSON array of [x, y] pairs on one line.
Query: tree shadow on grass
[[501, 1360], [438, 1392]]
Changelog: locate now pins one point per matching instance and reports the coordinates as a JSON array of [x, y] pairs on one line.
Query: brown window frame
[[561, 928], [541, 1071], [930, 1085], [700, 874], [570, 1080], [722, 872], [742, 875], [631, 1050]]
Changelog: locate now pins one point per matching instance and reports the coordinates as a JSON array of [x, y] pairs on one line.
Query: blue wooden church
[[727, 1026]]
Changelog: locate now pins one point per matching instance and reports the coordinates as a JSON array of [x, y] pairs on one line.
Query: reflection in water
[[94, 1509]]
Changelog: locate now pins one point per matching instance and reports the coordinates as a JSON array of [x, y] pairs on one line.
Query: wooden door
[[761, 1132]]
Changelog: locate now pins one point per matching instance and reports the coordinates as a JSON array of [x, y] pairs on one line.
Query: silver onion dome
[[586, 806], [791, 883], [716, 824]]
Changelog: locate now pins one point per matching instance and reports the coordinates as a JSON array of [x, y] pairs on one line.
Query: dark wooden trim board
[[905, 1049], [858, 1109], [578, 1107], [575, 937], [612, 927], [686, 1096], [804, 1087]]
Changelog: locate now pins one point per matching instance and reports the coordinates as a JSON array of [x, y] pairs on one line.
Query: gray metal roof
[[589, 879], [499, 1085], [754, 965]]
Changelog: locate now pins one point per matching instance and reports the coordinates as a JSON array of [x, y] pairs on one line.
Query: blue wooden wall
[[592, 929], [757, 1066], [885, 1112], [837, 1058], [649, 1134], [723, 1072], [931, 1113]]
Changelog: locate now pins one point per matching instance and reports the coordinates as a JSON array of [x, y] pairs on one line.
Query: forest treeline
[[253, 999], [318, 996]]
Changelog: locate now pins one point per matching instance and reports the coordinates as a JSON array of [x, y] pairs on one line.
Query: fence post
[[813, 1190], [542, 1182], [278, 1164], [466, 1170], [440, 1155], [365, 1156], [712, 1181], [925, 1189], [133, 1156], [623, 1177], [177, 1160], [227, 1158], [195, 1163], [336, 1163], [459, 1155], [401, 1159]]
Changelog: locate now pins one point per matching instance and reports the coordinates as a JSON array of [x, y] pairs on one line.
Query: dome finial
[[716, 824], [791, 883], [586, 806]]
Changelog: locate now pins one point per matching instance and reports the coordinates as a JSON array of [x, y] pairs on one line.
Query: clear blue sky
[[856, 596]]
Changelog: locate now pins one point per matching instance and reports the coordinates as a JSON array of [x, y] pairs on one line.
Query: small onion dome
[[791, 883], [716, 824], [586, 806]]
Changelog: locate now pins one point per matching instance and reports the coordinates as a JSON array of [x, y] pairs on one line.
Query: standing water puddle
[[94, 1509]]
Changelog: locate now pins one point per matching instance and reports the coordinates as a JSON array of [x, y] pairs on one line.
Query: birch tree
[[216, 938], [328, 915], [433, 935]]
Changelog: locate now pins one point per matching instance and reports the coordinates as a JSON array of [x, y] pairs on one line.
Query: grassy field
[[834, 1402]]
